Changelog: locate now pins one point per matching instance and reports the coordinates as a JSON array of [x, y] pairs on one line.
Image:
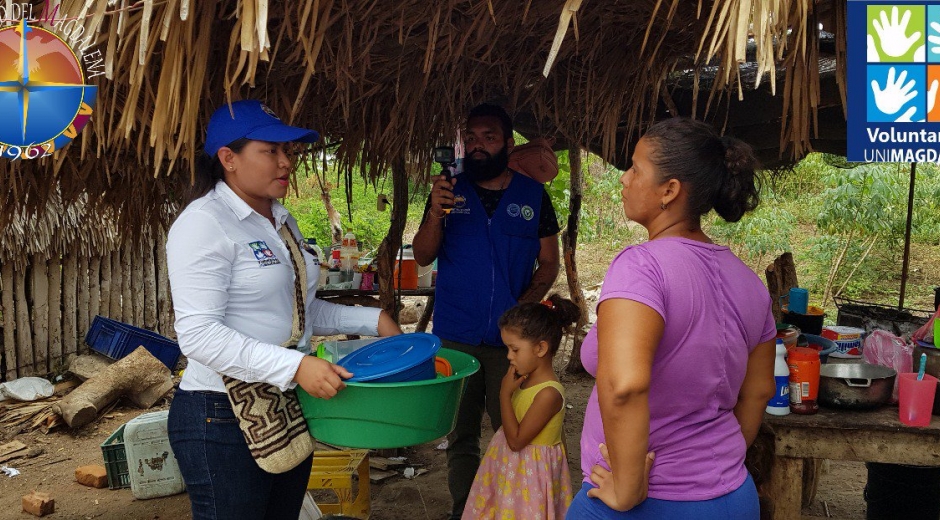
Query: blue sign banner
[[893, 81]]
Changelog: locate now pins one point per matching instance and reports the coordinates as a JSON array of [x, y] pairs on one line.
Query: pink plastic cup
[[915, 398]]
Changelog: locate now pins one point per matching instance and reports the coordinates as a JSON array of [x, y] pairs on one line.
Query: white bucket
[[150, 460], [424, 275]]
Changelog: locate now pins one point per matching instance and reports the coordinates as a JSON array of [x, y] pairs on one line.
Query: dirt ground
[[424, 497]]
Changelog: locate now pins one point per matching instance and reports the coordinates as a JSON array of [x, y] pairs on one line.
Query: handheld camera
[[444, 155]]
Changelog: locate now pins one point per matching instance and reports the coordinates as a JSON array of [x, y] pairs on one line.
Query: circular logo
[[43, 94], [459, 201], [527, 212], [513, 210]]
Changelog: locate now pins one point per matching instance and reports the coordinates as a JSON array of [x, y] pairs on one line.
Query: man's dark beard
[[481, 170]]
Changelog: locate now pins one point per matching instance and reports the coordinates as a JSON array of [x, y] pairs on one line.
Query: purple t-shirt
[[716, 310]]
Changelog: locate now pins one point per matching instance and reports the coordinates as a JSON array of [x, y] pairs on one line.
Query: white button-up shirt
[[232, 282]]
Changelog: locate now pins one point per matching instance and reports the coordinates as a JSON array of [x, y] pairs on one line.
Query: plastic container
[[810, 323], [115, 340], [848, 340], [788, 333], [153, 468], [915, 398], [407, 278], [822, 345], [349, 253], [803, 363], [391, 415], [405, 357], [779, 404], [335, 350], [115, 460], [311, 246], [425, 278], [154, 471]]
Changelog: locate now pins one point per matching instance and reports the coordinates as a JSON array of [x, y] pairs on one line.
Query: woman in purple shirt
[[683, 347]]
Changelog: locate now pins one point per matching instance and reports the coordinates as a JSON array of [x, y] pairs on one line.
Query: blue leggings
[[740, 504]]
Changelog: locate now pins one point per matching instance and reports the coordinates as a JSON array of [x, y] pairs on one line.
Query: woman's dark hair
[[541, 322], [717, 172], [490, 110], [209, 170]]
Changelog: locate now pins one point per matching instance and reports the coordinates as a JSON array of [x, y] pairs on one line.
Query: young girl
[[524, 474]]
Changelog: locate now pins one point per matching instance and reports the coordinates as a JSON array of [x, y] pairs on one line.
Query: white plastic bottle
[[779, 404]]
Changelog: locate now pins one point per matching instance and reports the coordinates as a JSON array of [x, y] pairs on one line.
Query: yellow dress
[[530, 484]]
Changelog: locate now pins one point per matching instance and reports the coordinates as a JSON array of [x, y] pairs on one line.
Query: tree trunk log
[[569, 240], [138, 373], [388, 250], [40, 315], [781, 276]]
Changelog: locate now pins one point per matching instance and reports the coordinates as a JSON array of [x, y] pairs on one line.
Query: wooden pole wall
[[48, 304]]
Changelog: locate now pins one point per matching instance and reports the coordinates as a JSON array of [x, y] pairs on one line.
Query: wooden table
[[873, 436], [371, 299]]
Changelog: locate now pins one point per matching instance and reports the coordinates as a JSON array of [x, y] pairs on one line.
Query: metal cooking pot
[[855, 386]]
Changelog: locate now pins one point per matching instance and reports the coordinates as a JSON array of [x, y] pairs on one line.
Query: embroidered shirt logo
[[513, 210], [263, 253], [527, 212]]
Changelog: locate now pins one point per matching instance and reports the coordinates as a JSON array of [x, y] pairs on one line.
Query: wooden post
[[117, 285], [149, 289], [24, 335], [127, 287], [94, 290], [569, 240], [40, 318], [9, 320], [786, 488], [388, 250], [781, 276], [905, 262], [83, 298], [55, 307], [164, 298], [104, 299], [136, 260], [70, 338]]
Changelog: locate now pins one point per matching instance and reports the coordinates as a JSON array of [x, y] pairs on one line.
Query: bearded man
[[497, 246]]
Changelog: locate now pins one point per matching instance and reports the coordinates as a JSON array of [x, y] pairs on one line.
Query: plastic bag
[[886, 349], [26, 389], [925, 333]]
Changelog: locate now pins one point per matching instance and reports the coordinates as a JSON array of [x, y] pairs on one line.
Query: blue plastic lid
[[390, 356]]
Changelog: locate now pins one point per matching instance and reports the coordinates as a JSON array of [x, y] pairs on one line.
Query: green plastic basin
[[390, 415]]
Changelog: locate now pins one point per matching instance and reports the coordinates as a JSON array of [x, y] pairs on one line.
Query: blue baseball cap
[[252, 120]]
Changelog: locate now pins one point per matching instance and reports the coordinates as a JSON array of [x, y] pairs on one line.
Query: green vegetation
[[844, 224]]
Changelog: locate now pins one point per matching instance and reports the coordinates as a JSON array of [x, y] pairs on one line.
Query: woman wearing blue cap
[[243, 293]]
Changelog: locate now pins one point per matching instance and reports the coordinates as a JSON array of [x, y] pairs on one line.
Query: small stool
[[334, 470]]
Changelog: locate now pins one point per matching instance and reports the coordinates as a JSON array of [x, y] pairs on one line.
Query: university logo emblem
[[263, 253], [43, 95], [513, 210], [894, 78], [527, 212]]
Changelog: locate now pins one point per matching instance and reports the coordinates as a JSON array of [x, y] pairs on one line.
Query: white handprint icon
[[895, 93], [934, 39], [893, 33]]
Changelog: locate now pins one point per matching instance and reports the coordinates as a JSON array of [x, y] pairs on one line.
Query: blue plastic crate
[[115, 340]]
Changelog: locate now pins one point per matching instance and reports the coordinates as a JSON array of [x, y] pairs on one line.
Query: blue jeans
[[223, 480], [740, 504]]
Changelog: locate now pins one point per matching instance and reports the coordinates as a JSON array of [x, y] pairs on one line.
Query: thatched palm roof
[[390, 79]]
